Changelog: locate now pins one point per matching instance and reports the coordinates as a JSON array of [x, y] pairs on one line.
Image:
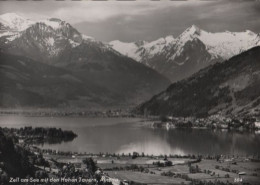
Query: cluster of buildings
[[214, 122]]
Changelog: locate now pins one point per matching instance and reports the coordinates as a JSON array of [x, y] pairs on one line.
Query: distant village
[[212, 122]]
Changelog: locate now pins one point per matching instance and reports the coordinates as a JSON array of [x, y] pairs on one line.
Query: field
[[227, 171], [145, 178], [144, 170]]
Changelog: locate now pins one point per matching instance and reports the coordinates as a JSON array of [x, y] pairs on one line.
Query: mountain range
[[230, 87], [48, 63], [178, 58]]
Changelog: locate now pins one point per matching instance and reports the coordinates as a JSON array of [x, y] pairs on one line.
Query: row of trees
[[45, 132]]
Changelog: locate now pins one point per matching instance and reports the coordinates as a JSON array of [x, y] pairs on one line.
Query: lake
[[126, 135]]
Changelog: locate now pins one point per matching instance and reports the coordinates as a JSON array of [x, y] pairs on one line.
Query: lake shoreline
[[126, 135]]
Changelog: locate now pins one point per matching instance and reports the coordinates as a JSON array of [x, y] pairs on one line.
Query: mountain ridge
[[170, 52], [231, 87], [112, 78]]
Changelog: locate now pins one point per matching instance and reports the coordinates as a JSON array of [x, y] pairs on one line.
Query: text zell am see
[[63, 180]]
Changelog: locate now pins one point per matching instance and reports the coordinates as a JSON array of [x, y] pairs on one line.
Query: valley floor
[[182, 170]]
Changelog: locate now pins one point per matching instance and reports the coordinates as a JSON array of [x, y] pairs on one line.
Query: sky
[[142, 20]]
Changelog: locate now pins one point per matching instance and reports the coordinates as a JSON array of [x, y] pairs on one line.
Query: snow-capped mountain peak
[[194, 46], [161, 41], [227, 44], [128, 49], [53, 23], [14, 22], [193, 30], [249, 32], [50, 37], [52, 30], [140, 43], [139, 49], [222, 44], [189, 34], [11, 24], [169, 38]]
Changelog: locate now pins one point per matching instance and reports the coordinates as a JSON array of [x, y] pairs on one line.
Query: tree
[[218, 157], [91, 165], [135, 155], [163, 118]]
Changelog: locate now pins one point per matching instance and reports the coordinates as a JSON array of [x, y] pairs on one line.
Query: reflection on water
[[122, 135], [150, 147], [202, 141]]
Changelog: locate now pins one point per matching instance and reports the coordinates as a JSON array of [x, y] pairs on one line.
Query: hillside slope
[[231, 87], [27, 83]]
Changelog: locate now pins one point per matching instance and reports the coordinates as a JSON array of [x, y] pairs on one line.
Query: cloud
[[93, 11], [142, 20]]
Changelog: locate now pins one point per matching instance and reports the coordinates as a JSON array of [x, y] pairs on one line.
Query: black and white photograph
[[108, 92]]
